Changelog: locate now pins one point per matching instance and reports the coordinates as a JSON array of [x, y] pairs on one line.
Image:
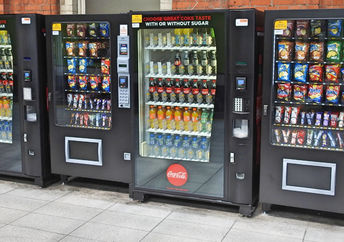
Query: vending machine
[[194, 80], [24, 150], [303, 115], [89, 98]]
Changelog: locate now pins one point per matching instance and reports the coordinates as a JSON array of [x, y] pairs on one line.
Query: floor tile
[[8, 215], [133, 221], [106, 232], [323, 232], [14, 233], [141, 209], [38, 193], [49, 223], [21, 203], [69, 211], [191, 230], [70, 238], [157, 237], [86, 199], [237, 235], [6, 187]]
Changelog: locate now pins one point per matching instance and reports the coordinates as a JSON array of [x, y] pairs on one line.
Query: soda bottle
[[187, 119], [177, 91], [210, 98], [177, 35], [210, 121], [159, 145], [168, 90], [205, 36], [194, 37], [195, 61], [161, 89], [169, 118], [194, 91], [184, 148], [181, 69], [195, 147], [200, 37], [161, 118], [9, 134], [168, 145], [204, 120], [176, 146], [177, 60], [186, 36], [152, 143], [153, 90], [152, 117], [187, 90], [195, 119], [213, 62], [186, 60], [204, 58], [178, 119], [204, 89]]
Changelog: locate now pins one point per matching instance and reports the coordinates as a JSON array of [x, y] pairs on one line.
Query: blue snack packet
[[83, 65], [300, 72], [104, 29], [334, 28], [106, 83], [72, 81], [83, 82], [71, 65], [283, 71]]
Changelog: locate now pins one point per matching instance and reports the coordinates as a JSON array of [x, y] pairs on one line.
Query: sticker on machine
[[177, 175], [241, 22]]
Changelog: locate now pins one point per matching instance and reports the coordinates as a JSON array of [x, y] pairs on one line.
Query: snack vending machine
[[303, 114], [24, 150], [88, 74], [194, 80]]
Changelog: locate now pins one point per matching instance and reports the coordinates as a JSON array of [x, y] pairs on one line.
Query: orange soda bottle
[[169, 118], [161, 118], [178, 118], [195, 119], [152, 117], [6, 107], [187, 119]]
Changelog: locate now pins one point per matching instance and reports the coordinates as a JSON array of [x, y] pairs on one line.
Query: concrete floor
[[75, 213]]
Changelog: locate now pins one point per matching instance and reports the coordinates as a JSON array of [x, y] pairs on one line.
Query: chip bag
[[300, 72], [283, 91], [82, 48], [81, 30], [83, 82], [283, 71], [301, 50], [106, 83], [316, 51], [71, 65], [70, 29], [93, 48], [317, 28], [316, 73], [285, 50], [315, 93], [92, 30], [94, 82], [72, 81], [300, 92], [332, 94], [70, 46], [332, 73], [302, 28], [333, 51], [105, 66], [104, 29], [334, 28], [83, 65]]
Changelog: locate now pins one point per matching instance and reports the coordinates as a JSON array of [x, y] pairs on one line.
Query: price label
[[281, 24]]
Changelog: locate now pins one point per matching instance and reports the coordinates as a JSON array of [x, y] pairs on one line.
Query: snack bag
[[333, 51], [287, 114], [301, 50], [318, 117], [70, 46], [316, 51], [301, 134], [293, 137], [332, 73], [300, 92], [331, 138], [94, 82], [334, 119], [315, 92], [310, 134], [285, 50], [83, 65], [93, 48], [318, 28], [332, 94], [316, 73], [82, 48], [334, 28], [81, 30], [286, 135], [283, 91], [71, 65], [105, 66], [302, 28], [104, 29], [278, 114], [283, 71], [92, 30], [342, 98], [294, 115], [106, 83], [300, 72], [277, 133], [326, 118], [72, 81], [341, 120], [342, 73], [70, 30], [303, 118], [83, 82]]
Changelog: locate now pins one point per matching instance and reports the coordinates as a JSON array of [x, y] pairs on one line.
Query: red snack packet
[[316, 73], [301, 134], [294, 115], [333, 120], [81, 30], [279, 114], [300, 92], [332, 73], [287, 114], [284, 91], [105, 66]]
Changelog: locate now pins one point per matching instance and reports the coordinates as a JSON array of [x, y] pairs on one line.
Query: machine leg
[[138, 196], [266, 207], [39, 181], [247, 210], [64, 179]]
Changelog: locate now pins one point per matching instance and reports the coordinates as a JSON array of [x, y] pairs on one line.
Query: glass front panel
[[82, 64], [177, 87], [308, 79]]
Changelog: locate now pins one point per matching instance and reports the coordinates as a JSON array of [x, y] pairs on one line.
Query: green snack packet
[[333, 51]]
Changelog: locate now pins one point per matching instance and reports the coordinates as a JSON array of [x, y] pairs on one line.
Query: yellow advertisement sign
[[136, 18], [281, 24], [56, 27]]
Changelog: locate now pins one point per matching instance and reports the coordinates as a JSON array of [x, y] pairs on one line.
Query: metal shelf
[[180, 132], [193, 105], [84, 74], [6, 118], [86, 57], [180, 48], [86, 127], [85, 38], [308, 147], [317, 83], [87, 110], [181, 76], [175, 158], [6, 70], [308, 103], [86, 91], [310, 62], [5, 141], [5, 46], [308, 127], [6, 94]]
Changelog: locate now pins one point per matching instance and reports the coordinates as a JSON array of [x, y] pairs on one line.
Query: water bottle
[[175, 148], [194, 147], [168, 144], [164, 149], [159, 145], [204, 149], [184, 148], [152, 143]]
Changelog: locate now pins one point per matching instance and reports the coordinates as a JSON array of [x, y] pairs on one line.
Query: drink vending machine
[[88, 70], [194, 80], [303, 117], [24, 150]]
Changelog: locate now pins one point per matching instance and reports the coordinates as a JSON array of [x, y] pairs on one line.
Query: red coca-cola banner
[[177, 175]]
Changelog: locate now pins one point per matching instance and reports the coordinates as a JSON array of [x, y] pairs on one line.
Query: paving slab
[[143, 209], [322, 232], [8, 215], [14, 233], [20, 203]]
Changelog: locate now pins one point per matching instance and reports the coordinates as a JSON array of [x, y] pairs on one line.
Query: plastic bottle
[[186, 90], [194, 90], [195, 119], [175, 148], [151, 90], [210, 121], [204, 120], [160, 89], [168, 90], [187, 119], [184, 148], [177, 34], [169, 118], [164, 148], [168, 145], [152, 143], [153, 122], [159, 145], [178, 119], [204, 149], [161, 118], [177, 90]]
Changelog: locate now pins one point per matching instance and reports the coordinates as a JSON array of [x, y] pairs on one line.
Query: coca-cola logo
[[177, 175]]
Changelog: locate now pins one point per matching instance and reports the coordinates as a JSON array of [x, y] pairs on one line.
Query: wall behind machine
[[29, 6]]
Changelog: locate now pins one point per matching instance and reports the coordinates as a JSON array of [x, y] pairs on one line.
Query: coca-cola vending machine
[[194, 79]]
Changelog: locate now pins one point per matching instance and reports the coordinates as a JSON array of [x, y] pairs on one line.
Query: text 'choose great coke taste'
[[173, 21]]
